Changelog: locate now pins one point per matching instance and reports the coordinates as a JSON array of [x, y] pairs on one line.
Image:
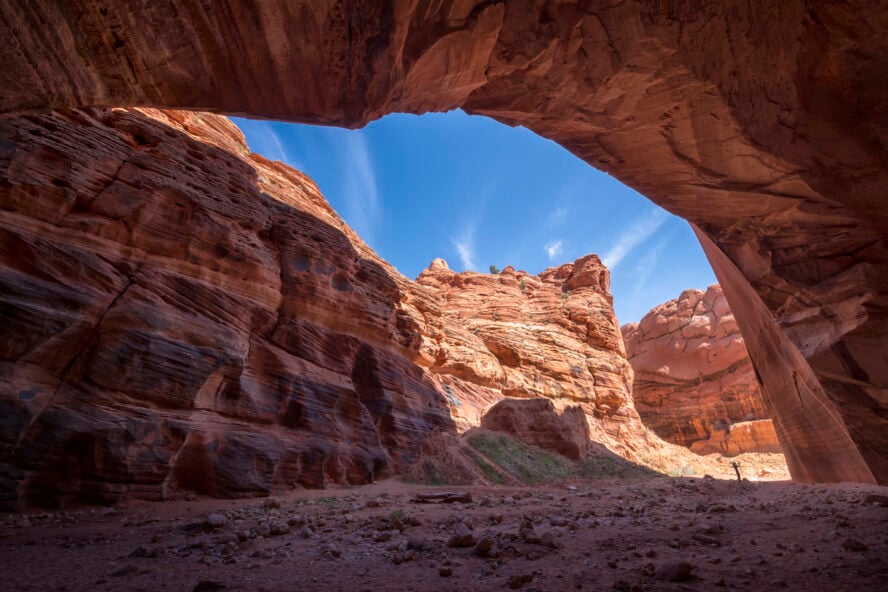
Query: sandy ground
[[633, 535]]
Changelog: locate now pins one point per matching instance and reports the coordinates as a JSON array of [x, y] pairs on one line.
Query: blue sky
[[476, 192]]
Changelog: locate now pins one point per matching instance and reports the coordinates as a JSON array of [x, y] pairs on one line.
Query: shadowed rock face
[[536, 422], [178, 314], [764, 124], [693, 380]]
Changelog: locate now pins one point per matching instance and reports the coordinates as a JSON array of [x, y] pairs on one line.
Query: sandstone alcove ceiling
[[764, 124]]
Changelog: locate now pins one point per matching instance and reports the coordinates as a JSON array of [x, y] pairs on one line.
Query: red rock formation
[[536, 422], [693, 378], [744, 436], [762, 123], [177, 313], [180, 314], [516, 335]]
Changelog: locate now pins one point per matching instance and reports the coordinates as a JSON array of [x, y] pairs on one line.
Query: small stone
[[516, 582], [462, 536], [854, 545], [875, 498], [484, 546], [548, 539], [126, 570], [216, 521], [416, 544], [279, 528], [271, 504], [330, 551], [679, 571]]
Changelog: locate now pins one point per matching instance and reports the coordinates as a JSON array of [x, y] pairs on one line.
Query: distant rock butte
[[178, 314], [694, 383]]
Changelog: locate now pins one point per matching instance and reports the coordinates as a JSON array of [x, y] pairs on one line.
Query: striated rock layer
[[178, 314], [765, 124], [693, 377], [550, 336]]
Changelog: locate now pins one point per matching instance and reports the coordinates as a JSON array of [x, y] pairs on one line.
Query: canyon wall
[[180, 314], [765, 124], [177, 314], [694, 383]]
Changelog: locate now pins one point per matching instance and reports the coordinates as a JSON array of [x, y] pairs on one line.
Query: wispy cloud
[[640, 302], [645, 268], [359, 189], [464, 242], [270, 144], [465, 248], [554, 249], [633, 235], [556, 217]]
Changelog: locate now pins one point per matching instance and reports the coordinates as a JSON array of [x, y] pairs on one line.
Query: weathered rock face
[[177, 313], [764, 124], [180, 314], [693, 378], [743, 436], [516, 335], [536, 422]]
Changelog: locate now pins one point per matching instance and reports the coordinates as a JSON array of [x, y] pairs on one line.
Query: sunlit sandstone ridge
[[693, 382], [763, 123], [179, 314]]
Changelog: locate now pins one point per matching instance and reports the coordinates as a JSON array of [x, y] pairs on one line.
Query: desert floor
[[660, 533]]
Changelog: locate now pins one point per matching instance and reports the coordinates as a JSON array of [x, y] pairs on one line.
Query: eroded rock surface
[[763, 123], [180, 314], [694, 379], [536, 422], [553, 335]]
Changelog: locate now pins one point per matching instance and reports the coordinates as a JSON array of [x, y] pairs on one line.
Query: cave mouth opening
[[485, 196]]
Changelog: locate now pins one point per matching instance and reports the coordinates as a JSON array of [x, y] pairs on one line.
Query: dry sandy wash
[[626, 535]]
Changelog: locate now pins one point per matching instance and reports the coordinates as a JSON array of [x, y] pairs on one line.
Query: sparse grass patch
[[528, 464], [488, 470]]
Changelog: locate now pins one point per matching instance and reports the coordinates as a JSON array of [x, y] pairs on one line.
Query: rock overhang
[[764, 125]]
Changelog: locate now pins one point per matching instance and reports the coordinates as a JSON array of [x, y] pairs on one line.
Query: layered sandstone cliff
[[694, 382], [179, 314], [550, 336]]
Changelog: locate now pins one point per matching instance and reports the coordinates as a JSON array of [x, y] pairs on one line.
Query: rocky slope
[[179, 314], [694, 383], [762, 123]]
